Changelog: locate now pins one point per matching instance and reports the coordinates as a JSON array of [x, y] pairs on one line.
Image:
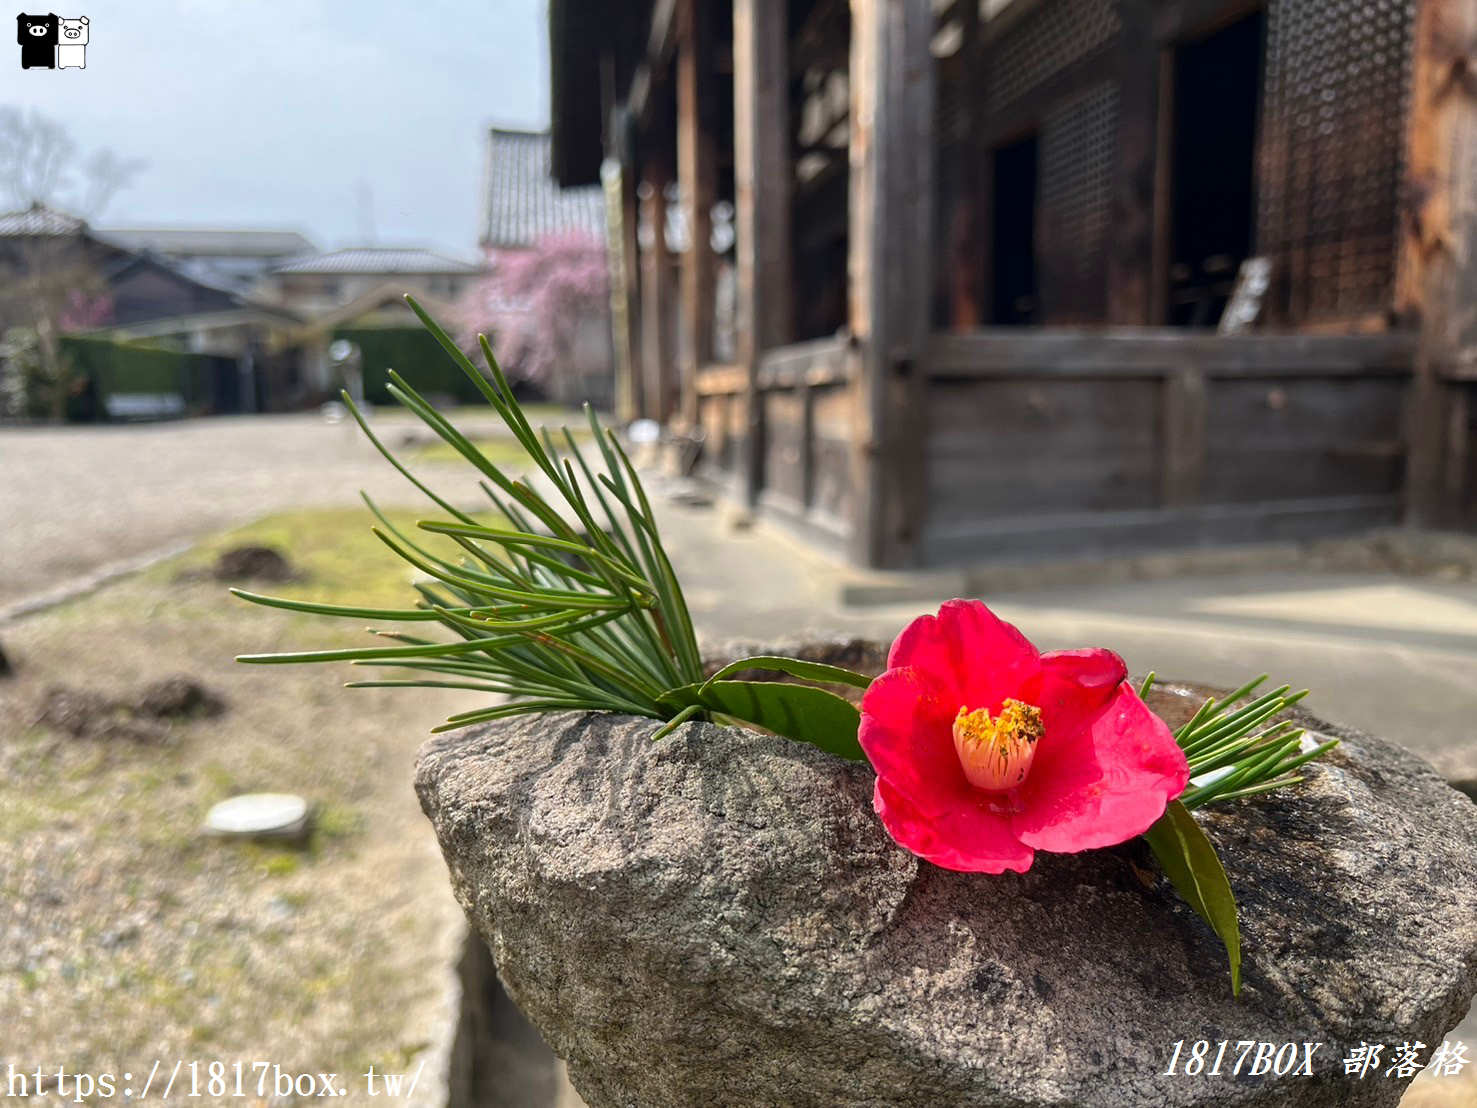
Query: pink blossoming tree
[[533, 302]]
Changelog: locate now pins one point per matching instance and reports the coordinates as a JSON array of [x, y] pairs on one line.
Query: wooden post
[[889, 269], [1185, 422], [631, 249], [762, 181], [656, 298], [1438, 271], [965, 240], [625, 292], [696, 173], [1131, 238]]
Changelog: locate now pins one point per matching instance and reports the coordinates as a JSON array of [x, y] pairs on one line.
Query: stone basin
[[719, 919]]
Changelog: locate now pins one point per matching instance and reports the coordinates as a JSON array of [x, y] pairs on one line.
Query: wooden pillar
[[696, 173], [631, 249], [762, 182], [1131, 238], [1438, 272], [658, 385], [890, 270], [966, 236], [625, 289]]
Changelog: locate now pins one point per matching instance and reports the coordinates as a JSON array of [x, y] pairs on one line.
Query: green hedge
[[128, 367], [412, 352]]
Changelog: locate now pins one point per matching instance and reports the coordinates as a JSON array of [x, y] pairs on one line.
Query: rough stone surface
[[719, 919]]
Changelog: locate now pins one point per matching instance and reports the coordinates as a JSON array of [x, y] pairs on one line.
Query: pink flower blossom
[[987, 750], [533, 300]]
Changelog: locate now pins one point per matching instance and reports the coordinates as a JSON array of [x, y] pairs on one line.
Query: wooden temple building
[[940, 280]]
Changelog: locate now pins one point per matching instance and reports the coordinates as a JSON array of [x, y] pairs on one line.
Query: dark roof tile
[[521, 201], [375, 259]]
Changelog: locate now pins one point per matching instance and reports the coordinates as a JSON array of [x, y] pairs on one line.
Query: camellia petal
[[1103, 783], [1076, 684], [1062, 755], [974, 654], [905, 733], [967, 837]]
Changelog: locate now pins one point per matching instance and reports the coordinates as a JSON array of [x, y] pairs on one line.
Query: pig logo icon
[[71, 50], [37, 35]]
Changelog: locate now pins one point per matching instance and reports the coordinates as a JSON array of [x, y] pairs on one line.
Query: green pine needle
[[1238, 749], [570, 604]]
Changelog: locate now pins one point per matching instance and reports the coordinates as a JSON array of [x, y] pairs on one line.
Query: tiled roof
[[200, 241], [521, 201], [39, 220], [193, 274], [374, 259]]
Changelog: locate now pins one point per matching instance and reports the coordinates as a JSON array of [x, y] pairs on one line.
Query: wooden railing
[[1136, 351]]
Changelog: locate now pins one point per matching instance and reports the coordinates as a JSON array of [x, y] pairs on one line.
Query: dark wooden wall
[[1068, 445], [903, 448], [804, 437], [1071, 444]]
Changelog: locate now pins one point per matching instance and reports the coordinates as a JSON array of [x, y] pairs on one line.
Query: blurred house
[[107, 288], [1024, 278], [358, 295], [253, 312], [322, 283], [524, 210], [235, 259]]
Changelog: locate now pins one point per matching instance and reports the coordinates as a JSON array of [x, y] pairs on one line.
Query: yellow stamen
[[996, 753]]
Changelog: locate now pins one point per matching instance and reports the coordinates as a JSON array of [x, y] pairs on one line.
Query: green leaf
[[808, 671], [1193, 867], [677, 721], [800, 712]]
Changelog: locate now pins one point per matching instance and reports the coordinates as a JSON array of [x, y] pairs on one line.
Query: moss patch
[[335, 552], [504, 452]]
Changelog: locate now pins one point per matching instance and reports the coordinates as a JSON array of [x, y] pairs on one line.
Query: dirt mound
[[178, 698], [143, 717], [253, 563]]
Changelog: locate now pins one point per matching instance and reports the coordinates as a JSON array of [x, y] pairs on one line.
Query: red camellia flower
[[987, 750]]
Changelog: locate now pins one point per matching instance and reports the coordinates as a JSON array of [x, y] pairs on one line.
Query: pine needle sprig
[[568, 601], [1238, 747]]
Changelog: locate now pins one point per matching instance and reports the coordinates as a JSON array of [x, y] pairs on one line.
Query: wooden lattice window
[[1078, 142], [1335, 101], [1048, 42]]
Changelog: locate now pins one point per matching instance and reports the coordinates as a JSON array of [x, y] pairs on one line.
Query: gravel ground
[[129, 935], [75, 500]]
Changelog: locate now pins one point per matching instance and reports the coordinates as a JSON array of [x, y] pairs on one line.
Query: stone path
[[74, 500], [1393, 655]]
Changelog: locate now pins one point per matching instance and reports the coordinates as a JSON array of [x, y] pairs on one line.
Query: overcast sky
[[280, 113]]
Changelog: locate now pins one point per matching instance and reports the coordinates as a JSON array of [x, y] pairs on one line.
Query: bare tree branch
[[49, 272], [40, 164]]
